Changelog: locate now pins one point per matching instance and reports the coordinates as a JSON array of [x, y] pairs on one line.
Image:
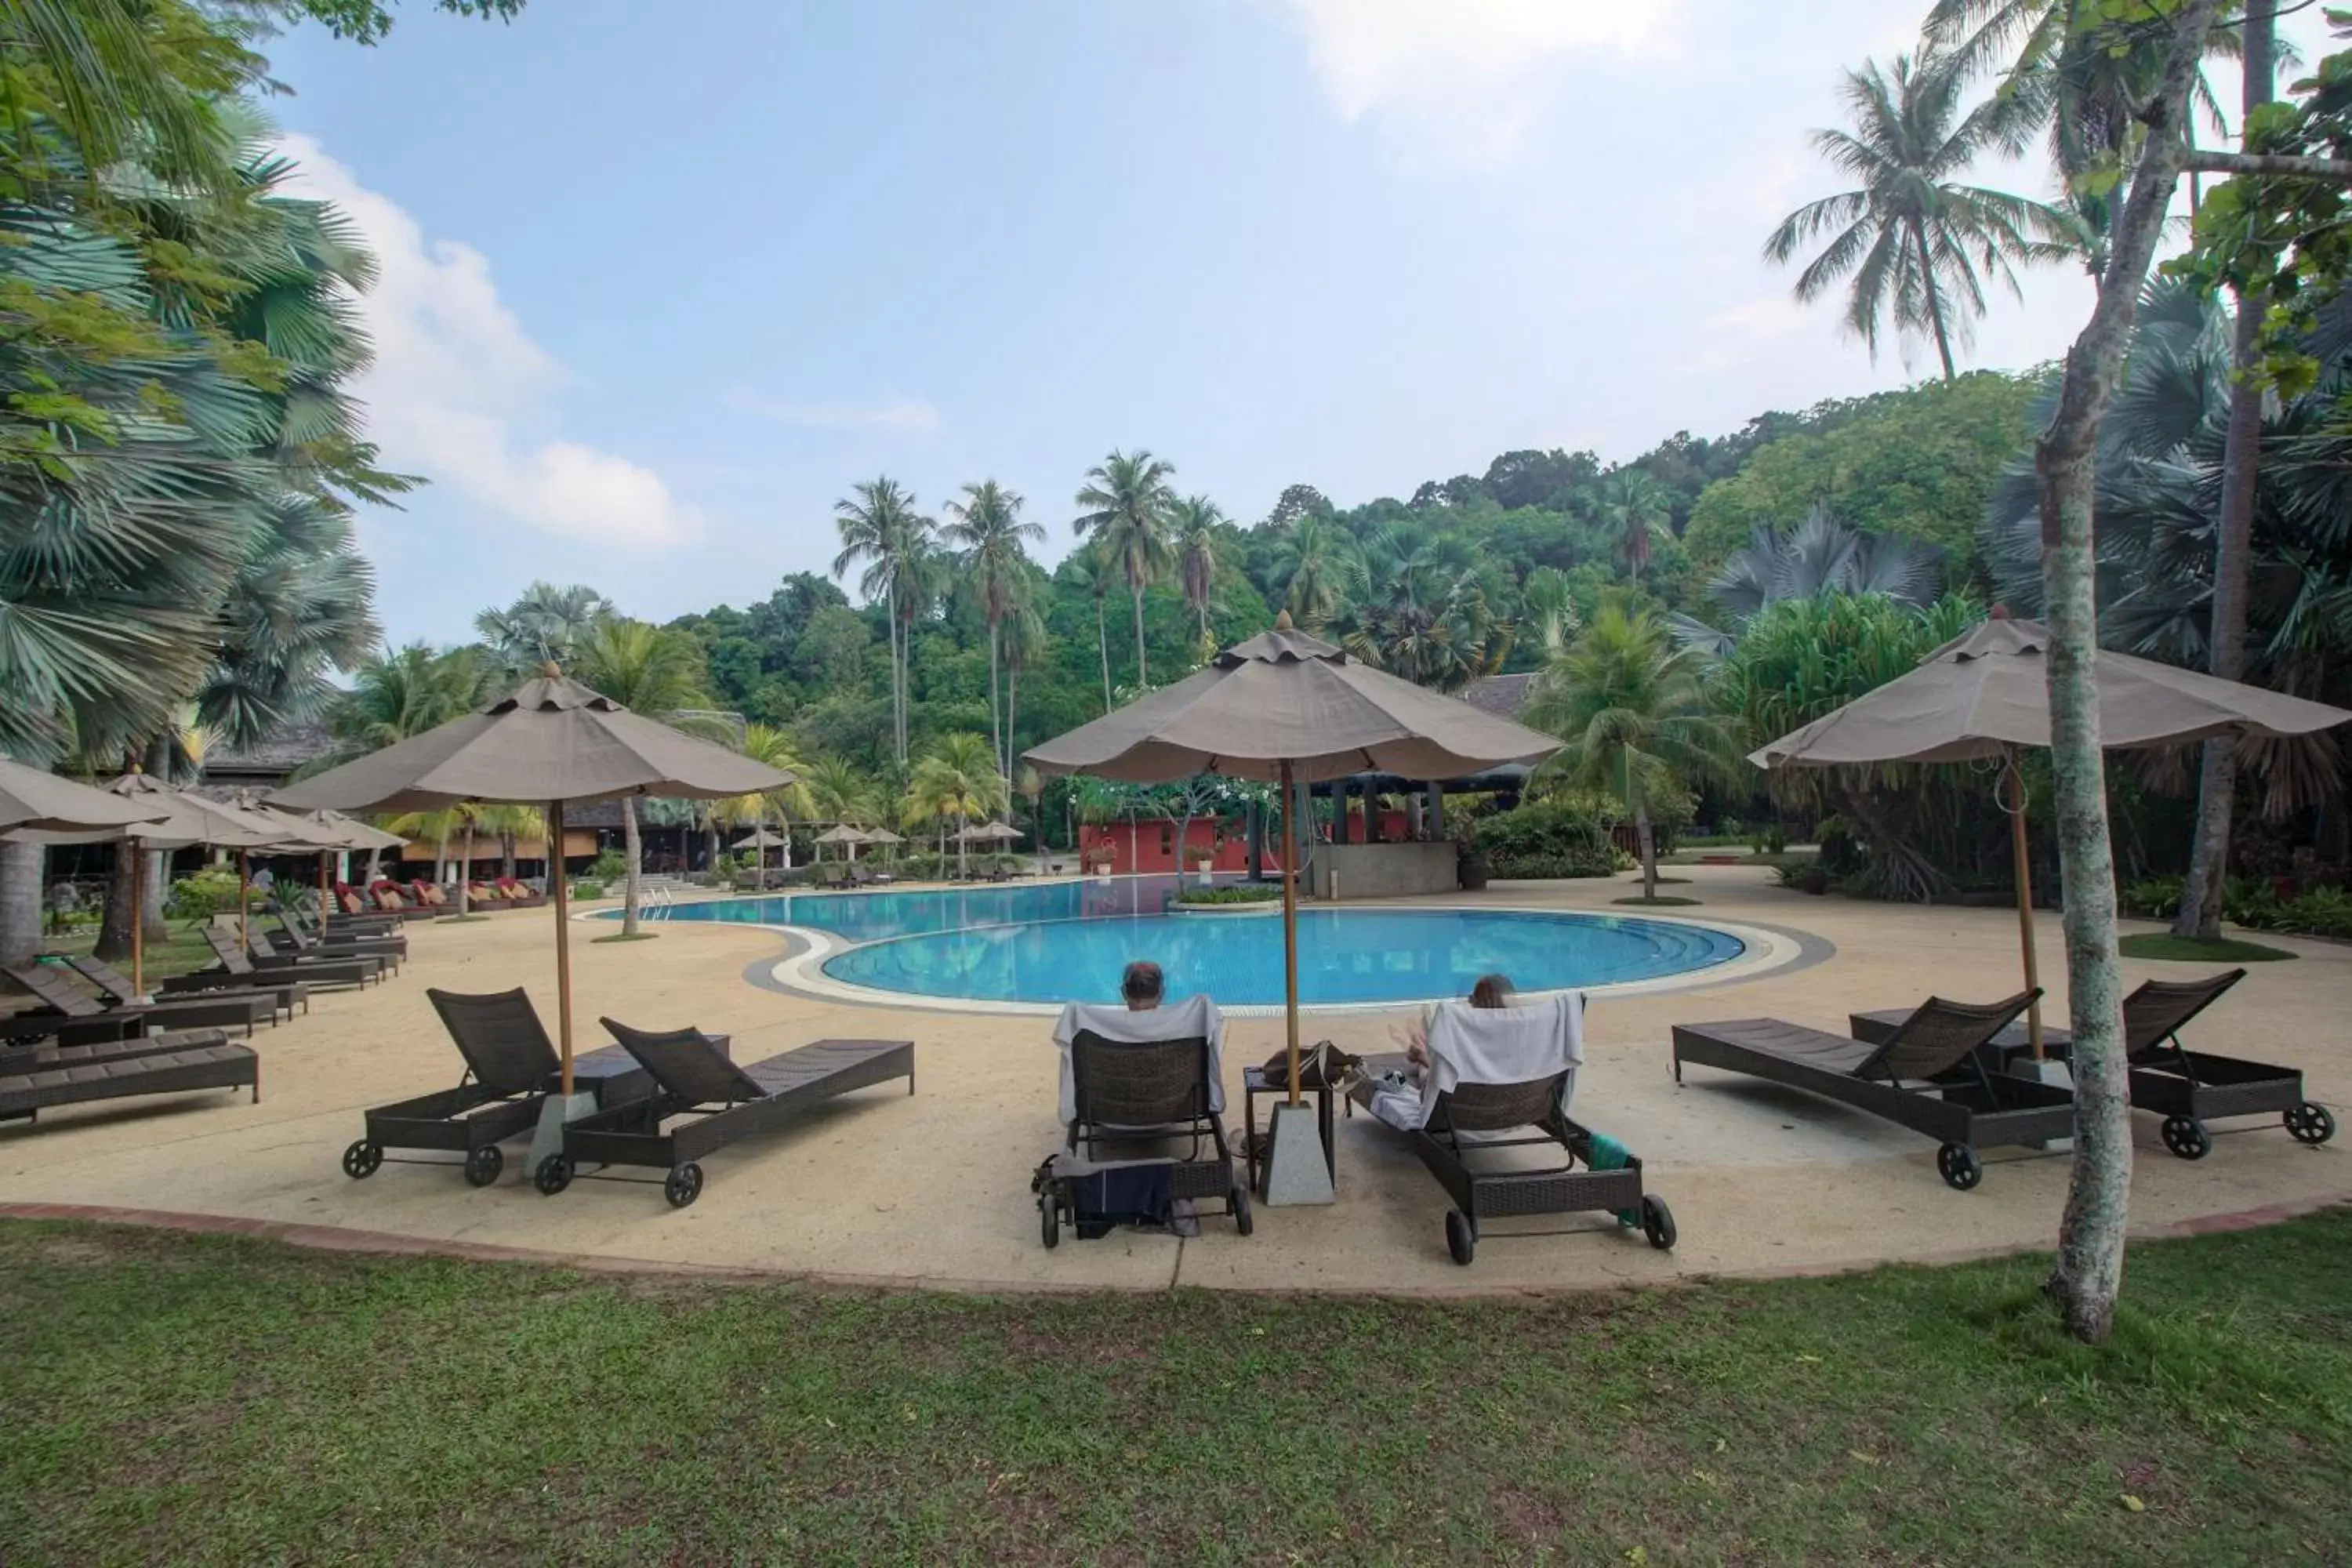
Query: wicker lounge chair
[[66, 998], [116, 987], [712, 1103], [236, 972], [2186, 1088], [1932, 1075], [304, 942], [24, 1058], [519, 896], [207, 1061], [357, 969], [1130, 1097], [1504, 1079], [509, 1067]]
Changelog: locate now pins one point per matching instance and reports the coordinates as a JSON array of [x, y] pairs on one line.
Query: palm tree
[[881, 528], [1088, 570], [1635, 716], [986, 526], [1916, 244], [1421, 612], [958, 780], [1635, 508], [1025, 646], [546, 625], [1314, 557], [652, 671], [1194, 522], [764, 744], [1820, 555], [405, 693], [1128, 500], [838, 792]]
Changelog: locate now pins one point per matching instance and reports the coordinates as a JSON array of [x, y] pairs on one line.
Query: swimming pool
[[1051, 942]]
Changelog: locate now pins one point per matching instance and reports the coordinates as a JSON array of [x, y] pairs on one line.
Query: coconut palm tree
[[1127, 501], [650, 670], [1422, 611], [1635, 716], [838, 792], [1194, 522], [1635, 508], [765, 744], [1087, 570], [1917, 245], [881, 529], [956, 781], [546, 625], [1318, 564], [1025, 648], [986, 527]]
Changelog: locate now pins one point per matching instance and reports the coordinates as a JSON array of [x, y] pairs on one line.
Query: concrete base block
[[1295, 1171], [2055, 1073], [547, 1138]]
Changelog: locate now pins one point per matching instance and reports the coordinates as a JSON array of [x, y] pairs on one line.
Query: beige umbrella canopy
[[37, 799], [552, 741], [844, 834], [1289, 707], [1985, 695], [758, 838], [990, 833], [879, 836]]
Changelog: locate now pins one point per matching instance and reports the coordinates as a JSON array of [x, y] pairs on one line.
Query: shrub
[[610, 865], [198, 897], [1546, 839], [1244, 893], [587, 889], [2156, 899], [1804, 875]]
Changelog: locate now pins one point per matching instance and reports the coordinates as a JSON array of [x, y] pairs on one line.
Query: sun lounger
[[510, 1066], [1134, 1083], [17, 1059], [116, 987], [235, 972], [66, 997], [2186, 1087], [704, 1101], [207, 1063], [517, 896], [357, 969], [1501, 1080], [429, 895], [1932, 1075], [306, 943]]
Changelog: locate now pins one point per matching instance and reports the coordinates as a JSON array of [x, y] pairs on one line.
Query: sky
[[660, 283]]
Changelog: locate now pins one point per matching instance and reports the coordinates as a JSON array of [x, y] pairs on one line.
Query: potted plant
[[1470, 866]]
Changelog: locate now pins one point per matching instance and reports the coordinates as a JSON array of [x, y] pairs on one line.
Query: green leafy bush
[[1244, 893], [610, 865], [2251, 903], [2156, 899], [1547, 839], [1804, 875], [587, 889], [198, 897]]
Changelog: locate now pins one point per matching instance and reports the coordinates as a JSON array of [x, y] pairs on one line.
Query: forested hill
[[1451, 581]]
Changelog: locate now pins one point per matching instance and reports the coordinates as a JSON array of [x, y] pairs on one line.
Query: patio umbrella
[[172, 819], [845, 835], [333, 833], [1290, 707], [39, 800], [552, 741], [758, 838], [991, 833], [1982, 696]]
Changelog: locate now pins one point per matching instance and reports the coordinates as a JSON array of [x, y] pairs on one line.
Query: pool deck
[[932, 1190]]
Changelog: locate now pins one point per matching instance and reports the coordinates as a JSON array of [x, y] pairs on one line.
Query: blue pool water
[[1066, 941]]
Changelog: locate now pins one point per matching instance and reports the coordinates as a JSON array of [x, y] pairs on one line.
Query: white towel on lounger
[[1175, 1021], [1491, 1044]]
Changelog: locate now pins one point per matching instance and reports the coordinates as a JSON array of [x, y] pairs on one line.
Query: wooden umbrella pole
[[138, 851], [561, 886], [244, 902], [1290, 928], [326, 898], [2011, 790]]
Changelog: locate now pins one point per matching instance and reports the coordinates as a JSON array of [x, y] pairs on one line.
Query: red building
[[1150, 845]]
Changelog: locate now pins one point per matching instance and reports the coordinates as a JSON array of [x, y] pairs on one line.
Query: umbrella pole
[[326, 898], [244, 902], [561, 886], [1290, 930], [138, 851], [2012, 780]]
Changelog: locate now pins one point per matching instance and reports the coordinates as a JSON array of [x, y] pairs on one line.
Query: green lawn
[[2160, 944], [197, 1399], [183, 952]]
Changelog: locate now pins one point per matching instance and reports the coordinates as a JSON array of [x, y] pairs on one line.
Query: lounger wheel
[[2310, 1123], [483, 1166], [1049, 1219], [555, 1174], [361, 1160], [1244, 1221], [1959, 1165], [1658, 1222], [683, 1184], [2186, 1136], [1461, 1237]]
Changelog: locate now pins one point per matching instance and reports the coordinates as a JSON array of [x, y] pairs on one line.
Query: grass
[[1659, 901], [627, 936], [183, 952], [214, 1399], [2163, 945]]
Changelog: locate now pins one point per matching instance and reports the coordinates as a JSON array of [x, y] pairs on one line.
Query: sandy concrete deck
[[933, 1189]]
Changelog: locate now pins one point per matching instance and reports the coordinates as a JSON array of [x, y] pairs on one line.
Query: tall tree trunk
[[1102, 646], [21, 868], [465, 870], [2089, 1273], [631, 888], [507, 856], [2199, 916], [116, 912], [1646, 840], [1011, 707], [1935, 299], [1142, 676], [995, 701]]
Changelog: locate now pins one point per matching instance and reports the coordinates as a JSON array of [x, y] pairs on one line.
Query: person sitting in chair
[[1142, 986], [1491, 991], [1143, 1013]]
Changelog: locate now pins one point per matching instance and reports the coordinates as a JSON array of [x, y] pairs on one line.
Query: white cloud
[[459, 389], [904, 414], [1464, 71]]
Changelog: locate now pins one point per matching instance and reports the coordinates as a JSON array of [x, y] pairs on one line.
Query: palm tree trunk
[[465, 869], [2089, 1273], [21, 866], [1646, 839], [996, 729], [635, 849], [507, 856], [2199, 916], [1143, 677], [1102, 646], [1011, 706], [1935, 299]]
